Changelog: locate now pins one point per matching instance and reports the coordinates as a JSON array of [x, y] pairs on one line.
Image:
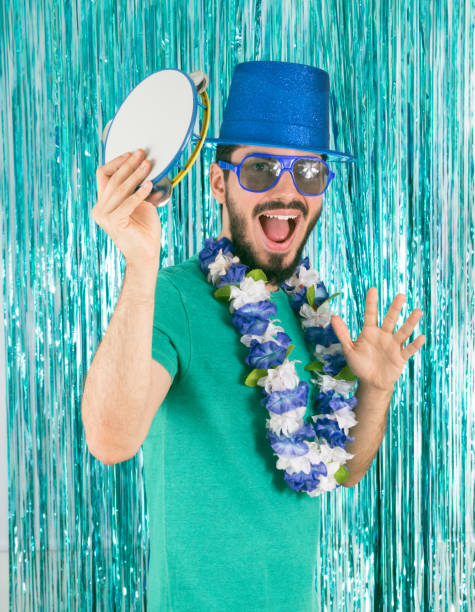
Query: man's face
[[242, 210]]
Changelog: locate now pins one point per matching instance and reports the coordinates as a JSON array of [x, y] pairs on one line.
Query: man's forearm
[[371, 413]]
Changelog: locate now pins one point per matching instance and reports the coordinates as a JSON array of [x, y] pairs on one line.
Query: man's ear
[[216, 181]]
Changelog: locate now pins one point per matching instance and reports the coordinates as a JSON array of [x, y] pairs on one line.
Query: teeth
[[282, 216]]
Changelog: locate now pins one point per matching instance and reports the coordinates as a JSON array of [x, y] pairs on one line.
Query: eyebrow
[[301, 154]]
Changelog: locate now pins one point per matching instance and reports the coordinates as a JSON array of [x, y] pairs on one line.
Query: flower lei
[[312, 455]]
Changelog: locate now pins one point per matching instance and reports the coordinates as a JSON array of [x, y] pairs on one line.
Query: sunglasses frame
[[287, 163]]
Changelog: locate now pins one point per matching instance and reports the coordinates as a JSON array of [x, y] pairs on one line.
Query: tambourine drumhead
[[158, 116]]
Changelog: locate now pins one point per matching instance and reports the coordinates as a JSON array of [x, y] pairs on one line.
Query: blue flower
[[351, 401], [321, 335], [331, 432], [328, 402], [321, 294], [286, 287], [303, 262], [250, 325], [211, 249], [253, 318], [234, 275], [307, 482], [283, 339], [297, 299], [333, 363], [265, 355], [288, 399], [293, 445]]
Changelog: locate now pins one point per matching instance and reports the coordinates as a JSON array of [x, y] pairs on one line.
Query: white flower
[[248, 292], [337, 453], [327, 382], [304, 277], [333, 349], [293, 464], [314, 493], [293, 281], [333, 458], [313, 318], [286, 423], [326, 483], [307, 278], [267, 336], [280, 378], [346, 418], [309, 315], [220, 266], [315, 454]]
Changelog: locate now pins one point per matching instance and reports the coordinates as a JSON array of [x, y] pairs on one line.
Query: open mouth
[[278, 228]]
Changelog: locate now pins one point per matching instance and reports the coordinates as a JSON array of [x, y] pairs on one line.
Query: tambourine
[[161, 115]]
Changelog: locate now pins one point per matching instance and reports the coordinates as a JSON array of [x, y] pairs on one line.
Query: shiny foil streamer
[[402, 89]]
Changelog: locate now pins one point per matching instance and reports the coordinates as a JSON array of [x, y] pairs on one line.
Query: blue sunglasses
[[258, 172]]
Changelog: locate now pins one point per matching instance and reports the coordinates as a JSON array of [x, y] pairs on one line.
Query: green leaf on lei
[[314, 366], [223, 293], [310, 293], [257, 274], [330, 297], [345, 374], [253, 377], [290, 348], [341, 474]]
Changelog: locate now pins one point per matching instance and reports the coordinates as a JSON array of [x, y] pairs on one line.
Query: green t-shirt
[[227, 534]]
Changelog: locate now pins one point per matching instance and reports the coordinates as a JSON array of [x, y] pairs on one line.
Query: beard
[[269, 262]]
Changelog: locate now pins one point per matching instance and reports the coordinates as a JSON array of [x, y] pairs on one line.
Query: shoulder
[[184, 276]]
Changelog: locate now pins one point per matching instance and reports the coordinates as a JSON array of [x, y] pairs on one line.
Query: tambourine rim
[[189, 131]]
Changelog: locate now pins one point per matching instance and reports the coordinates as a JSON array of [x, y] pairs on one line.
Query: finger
[[371, 308], [103, 173], [342, 332], [114, 194], [121, 215], [394, 311], [408, 326], [122, 171], [409, 350]]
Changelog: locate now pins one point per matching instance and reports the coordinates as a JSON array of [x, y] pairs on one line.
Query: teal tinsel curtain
[[402, 218]]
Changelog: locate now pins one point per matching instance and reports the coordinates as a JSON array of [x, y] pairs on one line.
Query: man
[[226, 532]]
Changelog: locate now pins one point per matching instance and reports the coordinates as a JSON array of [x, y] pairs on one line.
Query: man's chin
[[274, 265], [278, 279], [277, 274]]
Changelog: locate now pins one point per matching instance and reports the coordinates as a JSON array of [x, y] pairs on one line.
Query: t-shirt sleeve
[[171, 332]]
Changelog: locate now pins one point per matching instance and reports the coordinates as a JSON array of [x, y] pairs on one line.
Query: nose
[[285, 186]]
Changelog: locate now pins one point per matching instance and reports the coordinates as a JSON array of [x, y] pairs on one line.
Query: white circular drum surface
[[155, 117]]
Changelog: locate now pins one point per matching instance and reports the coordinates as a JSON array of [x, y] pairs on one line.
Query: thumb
[[342, 332]]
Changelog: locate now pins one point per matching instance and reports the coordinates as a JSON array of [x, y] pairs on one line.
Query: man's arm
[[371, 413], [377, 358]]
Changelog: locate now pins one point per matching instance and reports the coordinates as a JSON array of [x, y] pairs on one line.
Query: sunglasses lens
[[258, 173], [311, 175]]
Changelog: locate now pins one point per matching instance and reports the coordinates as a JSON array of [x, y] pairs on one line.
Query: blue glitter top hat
[[279, 104]]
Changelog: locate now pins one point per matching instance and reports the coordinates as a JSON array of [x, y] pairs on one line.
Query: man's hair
[[223, 153]]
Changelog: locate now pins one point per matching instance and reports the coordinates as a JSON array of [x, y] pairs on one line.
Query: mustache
[[276, 205]]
